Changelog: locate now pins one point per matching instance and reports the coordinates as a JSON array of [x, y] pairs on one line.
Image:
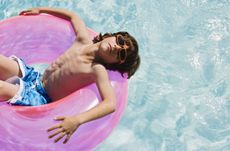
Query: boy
[[85, 62]]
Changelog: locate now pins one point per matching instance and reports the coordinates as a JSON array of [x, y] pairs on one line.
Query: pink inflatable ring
[[41, 39]]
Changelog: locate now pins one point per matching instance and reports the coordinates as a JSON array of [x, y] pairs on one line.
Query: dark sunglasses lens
[[120, 40], [122, 54]]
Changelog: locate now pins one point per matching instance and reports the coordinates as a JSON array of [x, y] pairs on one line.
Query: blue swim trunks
[[31, 91]]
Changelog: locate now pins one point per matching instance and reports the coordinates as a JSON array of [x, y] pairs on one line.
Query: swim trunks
[[31, 91]]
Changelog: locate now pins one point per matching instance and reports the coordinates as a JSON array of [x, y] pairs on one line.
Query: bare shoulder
[[100, 72], [83, 37]]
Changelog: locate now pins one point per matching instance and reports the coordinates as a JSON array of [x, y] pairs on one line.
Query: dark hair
[[132, 61]]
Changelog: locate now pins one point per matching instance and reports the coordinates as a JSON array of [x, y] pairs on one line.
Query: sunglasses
[[122, 53]]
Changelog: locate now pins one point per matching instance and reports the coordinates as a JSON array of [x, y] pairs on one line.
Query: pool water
[[179, 100]]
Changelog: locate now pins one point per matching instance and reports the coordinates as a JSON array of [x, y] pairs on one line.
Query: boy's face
[[113, 49]]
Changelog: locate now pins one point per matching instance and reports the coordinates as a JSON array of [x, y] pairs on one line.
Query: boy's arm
[[108, 103], [78, 25], [105, 107]]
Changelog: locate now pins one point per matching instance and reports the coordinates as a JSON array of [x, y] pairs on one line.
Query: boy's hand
[[66, 128], [32, 11]]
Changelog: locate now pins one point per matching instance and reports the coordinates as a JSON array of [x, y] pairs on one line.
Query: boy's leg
[[7, 90], [8, 68]]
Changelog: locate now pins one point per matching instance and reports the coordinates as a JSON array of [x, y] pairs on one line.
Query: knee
[[7, 90]]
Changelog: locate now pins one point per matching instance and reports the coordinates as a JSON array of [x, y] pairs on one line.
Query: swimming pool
[[179, 100]]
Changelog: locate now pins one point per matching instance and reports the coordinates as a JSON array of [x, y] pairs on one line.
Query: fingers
[[62, 134], [67, 138], [54, 127], [28, 12], [60, 137], [61, 130], [24, 12], [60, 118], [57, 132]]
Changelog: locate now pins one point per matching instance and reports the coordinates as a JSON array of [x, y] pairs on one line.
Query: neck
[[91, 52]]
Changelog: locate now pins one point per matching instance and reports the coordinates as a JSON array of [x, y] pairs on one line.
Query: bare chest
[[66, 75]]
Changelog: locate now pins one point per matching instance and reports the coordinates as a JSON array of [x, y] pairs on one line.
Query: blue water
[[179, 100]]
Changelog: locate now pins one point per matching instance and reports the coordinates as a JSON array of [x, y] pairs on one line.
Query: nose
[[117, 47]]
